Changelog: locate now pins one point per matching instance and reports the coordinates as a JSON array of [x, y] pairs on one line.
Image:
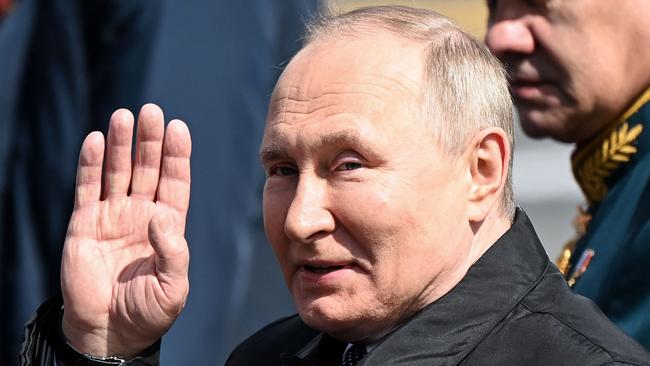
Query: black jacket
[[512, 308]]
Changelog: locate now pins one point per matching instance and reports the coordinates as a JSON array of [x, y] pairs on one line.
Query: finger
[[174, 183], [117, 168], [172, 260], [148, 148], [89, 170]]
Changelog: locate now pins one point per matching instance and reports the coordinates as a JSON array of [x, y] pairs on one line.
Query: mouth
[[321, 269], [523, 82], [528, 80], [532, 89], [324, 273]]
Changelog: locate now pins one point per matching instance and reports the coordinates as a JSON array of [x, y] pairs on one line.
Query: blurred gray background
[[545, 189]]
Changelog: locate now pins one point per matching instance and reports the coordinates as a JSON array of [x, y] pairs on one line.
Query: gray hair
[[466, 86]]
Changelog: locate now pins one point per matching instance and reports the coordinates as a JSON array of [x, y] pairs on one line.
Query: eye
[[348, 161], [282, 171], [349, 165]]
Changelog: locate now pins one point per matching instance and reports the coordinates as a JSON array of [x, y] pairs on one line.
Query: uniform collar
[[446, 331], [599, 163]]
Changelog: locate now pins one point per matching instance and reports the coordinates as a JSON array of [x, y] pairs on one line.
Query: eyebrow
[[275, 151]]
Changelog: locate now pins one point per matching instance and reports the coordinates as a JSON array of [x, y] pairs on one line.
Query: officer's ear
[[489, 157]]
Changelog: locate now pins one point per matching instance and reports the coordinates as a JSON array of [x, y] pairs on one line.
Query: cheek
[[405, 210], [275, 208], [382, 225], [422, 232], [371, 213]]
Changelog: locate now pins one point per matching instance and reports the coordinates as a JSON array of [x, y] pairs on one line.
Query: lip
[[322, 273], [531, 89]]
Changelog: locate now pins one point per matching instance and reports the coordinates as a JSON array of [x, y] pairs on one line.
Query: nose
[[509, 36], [308, 216]]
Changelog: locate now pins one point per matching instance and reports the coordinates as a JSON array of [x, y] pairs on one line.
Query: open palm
[[125, 261]]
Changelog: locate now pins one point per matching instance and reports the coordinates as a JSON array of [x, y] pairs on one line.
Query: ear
[[489, 159]]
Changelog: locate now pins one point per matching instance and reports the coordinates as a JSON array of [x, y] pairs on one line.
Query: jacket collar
[[599, 163], [446, 331], [321, 351]]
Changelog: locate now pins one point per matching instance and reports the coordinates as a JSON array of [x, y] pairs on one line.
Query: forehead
[[353, 78], [343, 60]]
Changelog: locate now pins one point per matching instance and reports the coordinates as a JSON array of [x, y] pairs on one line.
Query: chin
[[335, 327], [560, 124], [333, 317], [536, 132], [538, 124]]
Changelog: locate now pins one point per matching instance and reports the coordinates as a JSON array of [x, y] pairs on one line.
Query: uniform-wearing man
[[580, 73], [387, 203]]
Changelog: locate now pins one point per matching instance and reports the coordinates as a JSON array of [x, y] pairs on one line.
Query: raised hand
[[125, 260]]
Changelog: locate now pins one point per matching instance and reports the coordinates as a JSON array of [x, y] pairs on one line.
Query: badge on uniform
[[563, 262], [581, 266]]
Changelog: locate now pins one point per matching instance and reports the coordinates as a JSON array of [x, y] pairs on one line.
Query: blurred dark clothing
[[64, 67], [215, 66]]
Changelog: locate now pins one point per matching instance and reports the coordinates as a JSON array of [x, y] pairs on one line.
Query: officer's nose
[[509, 36], [308, 216]]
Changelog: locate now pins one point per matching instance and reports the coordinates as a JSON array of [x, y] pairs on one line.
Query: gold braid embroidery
[[616, 149]]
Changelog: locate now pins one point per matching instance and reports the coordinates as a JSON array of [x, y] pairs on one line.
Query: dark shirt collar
[[446, 331]]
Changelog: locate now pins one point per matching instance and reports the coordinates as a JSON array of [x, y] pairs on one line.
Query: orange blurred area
[[470, 14]]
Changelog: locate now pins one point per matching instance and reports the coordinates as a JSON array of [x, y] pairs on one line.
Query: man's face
[[575, 65], [366, 216]]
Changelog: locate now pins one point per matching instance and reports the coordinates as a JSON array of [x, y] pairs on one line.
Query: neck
[[486, 233]]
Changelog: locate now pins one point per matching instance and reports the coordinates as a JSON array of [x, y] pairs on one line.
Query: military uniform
[[610, 261]]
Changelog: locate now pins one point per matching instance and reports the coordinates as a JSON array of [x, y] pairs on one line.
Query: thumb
[[172, 253]]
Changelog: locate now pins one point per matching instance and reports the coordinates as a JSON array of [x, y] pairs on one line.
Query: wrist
[[92, 349], [96, 343]]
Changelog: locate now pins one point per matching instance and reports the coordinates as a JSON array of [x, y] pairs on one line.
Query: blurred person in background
[[67, 65], [580, 73], [64, 67]]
